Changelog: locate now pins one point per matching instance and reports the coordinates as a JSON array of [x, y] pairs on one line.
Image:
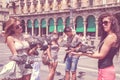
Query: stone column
[[85, 29], [96, 35], [55, 24], [26, 31], [39, 27], [64, 22], [104, 2], [46, 26], [32, 27], [74, 23]]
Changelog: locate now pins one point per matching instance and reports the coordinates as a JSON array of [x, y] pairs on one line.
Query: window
[[90, 2]]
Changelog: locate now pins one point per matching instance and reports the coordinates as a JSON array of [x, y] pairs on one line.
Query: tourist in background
[[70, 60]]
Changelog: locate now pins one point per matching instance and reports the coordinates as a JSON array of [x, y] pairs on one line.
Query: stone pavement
[[4, 59], [87, 65]]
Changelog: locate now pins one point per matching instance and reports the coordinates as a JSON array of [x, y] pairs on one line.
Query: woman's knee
[[73, 72], [67, 72]]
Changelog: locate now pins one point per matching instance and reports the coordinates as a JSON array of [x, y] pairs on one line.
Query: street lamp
[[71, 14], [71, 17]]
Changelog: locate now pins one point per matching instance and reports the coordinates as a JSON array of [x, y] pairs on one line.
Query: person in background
[[71, 60], [34, 61], [52, 51], [108, 47], [15, 69]]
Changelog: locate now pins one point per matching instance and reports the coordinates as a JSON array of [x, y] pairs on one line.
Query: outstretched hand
[[77, 53]]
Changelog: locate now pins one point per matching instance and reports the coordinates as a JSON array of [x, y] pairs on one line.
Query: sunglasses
[[105, 22], [18, 26]]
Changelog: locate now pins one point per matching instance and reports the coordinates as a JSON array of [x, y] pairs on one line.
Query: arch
[[36, 27], [79, 24], [43, 27], [51, 25], [91, 26], [60, 25], [117, 15], [36, 23], [67, 21], [23, 25], [3, 24], [43, 22], [29, 26]]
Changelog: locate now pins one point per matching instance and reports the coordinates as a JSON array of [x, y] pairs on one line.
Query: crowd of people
[[24, 63]]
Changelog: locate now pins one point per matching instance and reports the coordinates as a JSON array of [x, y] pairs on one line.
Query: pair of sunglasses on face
[[18, 26], [105, 22]]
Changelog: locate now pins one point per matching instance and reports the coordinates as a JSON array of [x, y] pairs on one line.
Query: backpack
[[45, 58]]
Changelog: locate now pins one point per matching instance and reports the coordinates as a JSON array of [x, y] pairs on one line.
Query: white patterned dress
[[14, 70]]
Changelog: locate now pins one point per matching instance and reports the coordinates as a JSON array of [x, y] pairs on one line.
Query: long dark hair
[[115, 28]]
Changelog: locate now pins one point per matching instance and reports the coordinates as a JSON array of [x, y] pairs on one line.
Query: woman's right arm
[[11, 45], [108, 42]]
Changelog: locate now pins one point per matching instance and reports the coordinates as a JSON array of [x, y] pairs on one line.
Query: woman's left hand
[[77, 53]]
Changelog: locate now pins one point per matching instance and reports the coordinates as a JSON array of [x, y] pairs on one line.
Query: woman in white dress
[[15, 69]]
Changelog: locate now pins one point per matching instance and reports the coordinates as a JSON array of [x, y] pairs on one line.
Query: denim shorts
[[71, 63]]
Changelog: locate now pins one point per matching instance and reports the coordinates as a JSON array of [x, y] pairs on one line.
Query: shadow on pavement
[[1, 65]]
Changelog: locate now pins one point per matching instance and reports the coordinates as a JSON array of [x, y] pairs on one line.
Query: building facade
[[4, 14], [41, 17]]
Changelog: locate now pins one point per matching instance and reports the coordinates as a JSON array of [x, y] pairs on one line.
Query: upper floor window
[[50, 1], [90, 2], [79, 3], [68, 3], [59, 1], [42, 1]]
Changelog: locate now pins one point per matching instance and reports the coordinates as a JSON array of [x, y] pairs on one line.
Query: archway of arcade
[[91, 26], [117, 15], [46, 26]]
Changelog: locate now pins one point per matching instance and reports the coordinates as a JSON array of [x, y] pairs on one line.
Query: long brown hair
[[9, 27], [115, 28]]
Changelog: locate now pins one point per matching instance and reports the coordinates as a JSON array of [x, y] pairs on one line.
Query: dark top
[[108, 60]]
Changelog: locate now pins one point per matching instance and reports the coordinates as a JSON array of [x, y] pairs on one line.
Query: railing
[[99, 6], [4, 10], [80, 8]]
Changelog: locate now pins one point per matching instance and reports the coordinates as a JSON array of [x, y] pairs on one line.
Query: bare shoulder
[[10, 38], [111, 39]]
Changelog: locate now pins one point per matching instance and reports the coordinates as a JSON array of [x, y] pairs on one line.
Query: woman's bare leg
[[67, 75], [52, 71], [74, 75]]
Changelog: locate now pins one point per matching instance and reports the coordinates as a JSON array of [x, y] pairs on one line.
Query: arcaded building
[[4, 14], [42, 17]]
